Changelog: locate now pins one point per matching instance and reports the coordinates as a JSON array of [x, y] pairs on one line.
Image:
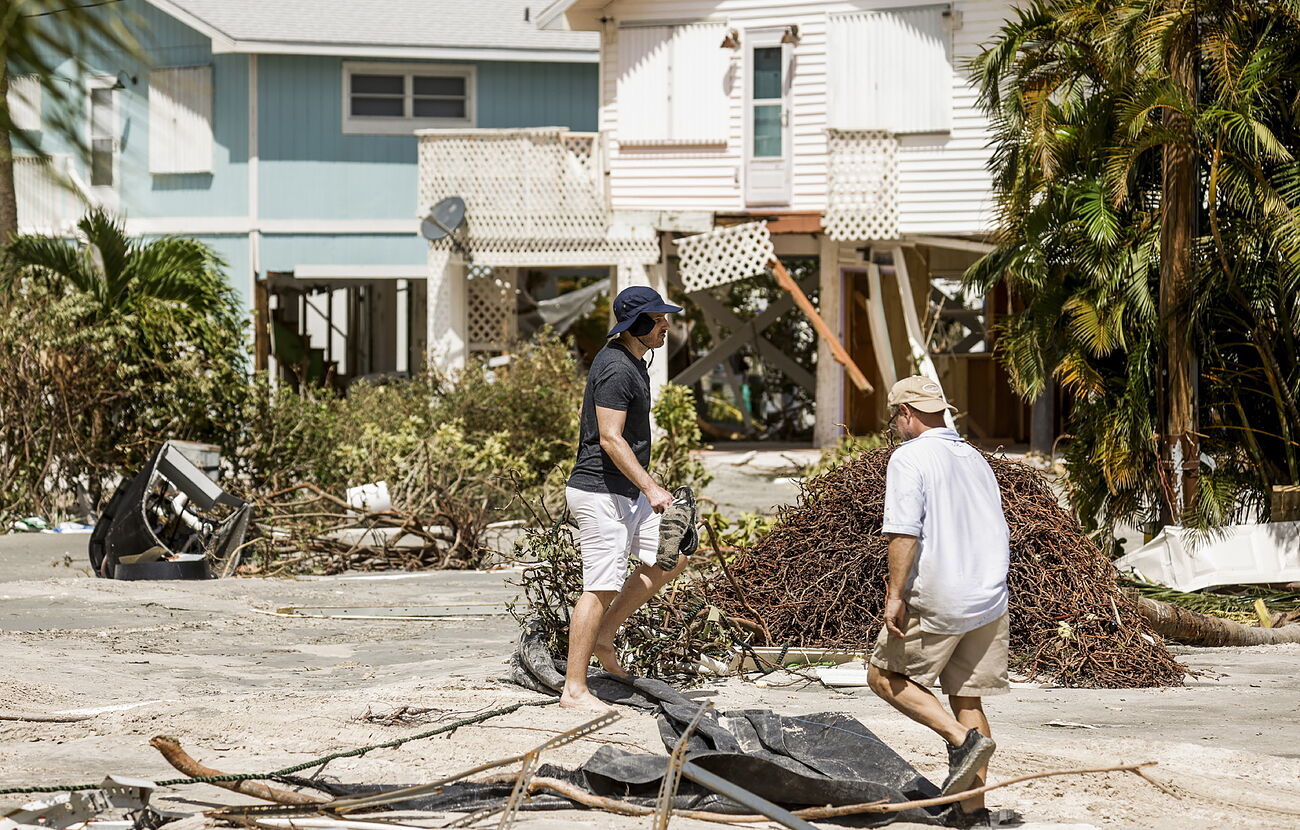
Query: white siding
[[180, 120], [944, 187]]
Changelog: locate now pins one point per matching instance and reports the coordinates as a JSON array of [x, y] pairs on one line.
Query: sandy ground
[[244, 690]]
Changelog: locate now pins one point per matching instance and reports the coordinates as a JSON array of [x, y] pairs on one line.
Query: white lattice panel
[[724, 255], [862, 187], [490, 309], [532, 197]]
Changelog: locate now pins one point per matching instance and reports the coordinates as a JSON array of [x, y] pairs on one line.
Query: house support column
[[830, 374], [445, 312]]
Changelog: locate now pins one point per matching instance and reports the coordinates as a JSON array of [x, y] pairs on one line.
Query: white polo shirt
[[941, 490]]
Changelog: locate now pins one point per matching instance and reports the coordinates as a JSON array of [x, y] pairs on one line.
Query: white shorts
[[610, 528]]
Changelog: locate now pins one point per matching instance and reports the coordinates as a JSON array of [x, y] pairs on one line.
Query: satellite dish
[[445, 218]]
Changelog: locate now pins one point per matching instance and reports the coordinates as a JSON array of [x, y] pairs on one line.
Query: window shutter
[[24, 102], [700, 100], [643, 54], [180, 120], [891, 70]]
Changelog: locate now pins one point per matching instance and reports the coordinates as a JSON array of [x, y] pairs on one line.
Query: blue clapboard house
[[281, 132]]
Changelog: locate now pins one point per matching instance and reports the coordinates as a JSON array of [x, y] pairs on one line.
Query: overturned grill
[[169, 521]]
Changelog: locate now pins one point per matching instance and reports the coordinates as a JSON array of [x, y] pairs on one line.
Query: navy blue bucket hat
[[637, 300]]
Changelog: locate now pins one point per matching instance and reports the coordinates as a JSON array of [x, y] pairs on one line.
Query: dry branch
[[176, 756], [625, 808]]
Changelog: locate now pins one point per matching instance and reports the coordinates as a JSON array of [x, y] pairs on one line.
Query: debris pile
[[665, 638], [817, 580], [305, 528]]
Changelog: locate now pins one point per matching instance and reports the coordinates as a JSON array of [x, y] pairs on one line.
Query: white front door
[[767, 118], [104, 139]]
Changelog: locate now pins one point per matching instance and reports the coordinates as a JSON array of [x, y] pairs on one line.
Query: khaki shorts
[[973, 664]]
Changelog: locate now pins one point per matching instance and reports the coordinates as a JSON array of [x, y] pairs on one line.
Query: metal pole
[[744, 797]]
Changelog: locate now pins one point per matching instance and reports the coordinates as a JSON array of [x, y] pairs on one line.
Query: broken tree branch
[[624, 808], [176, 756]]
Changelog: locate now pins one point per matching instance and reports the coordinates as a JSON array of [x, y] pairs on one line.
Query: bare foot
[[584, 700], [608, 657]]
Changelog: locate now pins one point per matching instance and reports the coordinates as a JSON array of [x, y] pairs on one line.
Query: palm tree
[[171, 291], [39, 37], [1096, 122], [111, 344]]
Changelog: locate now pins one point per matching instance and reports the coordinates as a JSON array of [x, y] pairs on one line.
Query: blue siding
[[166, 42], [283, 252], [310, 170]]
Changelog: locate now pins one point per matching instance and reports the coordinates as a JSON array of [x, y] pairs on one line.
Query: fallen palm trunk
[[176, 756], [1190, 628]]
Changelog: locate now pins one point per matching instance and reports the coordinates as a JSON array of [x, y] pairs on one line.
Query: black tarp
[[814, 760], [808, 760]]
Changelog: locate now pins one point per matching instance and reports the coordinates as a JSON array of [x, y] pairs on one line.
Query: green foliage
[[671, 462], [479, 437], [743, 532], [108, 346], [665, 638], [1083, 108]]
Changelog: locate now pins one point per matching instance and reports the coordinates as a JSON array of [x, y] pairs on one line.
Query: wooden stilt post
[[841, 355]]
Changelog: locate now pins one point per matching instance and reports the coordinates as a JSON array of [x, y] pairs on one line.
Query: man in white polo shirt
[[946, 604]]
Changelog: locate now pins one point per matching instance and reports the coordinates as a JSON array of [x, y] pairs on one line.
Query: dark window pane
[[101, 162], [767, 72], [378, 84], [101, 113], [391, 107], [767, 131], [438, 108], [439, 86]]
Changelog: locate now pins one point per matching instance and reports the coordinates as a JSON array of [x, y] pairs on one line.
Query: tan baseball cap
[[920, 393]]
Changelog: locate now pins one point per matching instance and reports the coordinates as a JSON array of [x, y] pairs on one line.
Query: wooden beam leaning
[[840, 354]]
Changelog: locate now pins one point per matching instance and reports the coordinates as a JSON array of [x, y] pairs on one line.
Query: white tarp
[[1239, 555]]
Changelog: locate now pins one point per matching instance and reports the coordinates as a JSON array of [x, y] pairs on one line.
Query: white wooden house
[[849, 126]]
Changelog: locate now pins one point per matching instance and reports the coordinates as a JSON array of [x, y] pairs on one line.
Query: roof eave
[[406, 52], [572, 15]]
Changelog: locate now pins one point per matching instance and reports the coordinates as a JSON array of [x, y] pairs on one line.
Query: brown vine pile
[[817, 581]]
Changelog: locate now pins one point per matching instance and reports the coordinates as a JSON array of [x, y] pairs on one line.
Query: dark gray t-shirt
[[617, 380]]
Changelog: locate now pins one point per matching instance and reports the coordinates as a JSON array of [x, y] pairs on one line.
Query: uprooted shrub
[[108, 346], [454, 452]]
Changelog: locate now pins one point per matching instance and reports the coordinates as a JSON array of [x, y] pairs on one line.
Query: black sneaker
[[965, 760]]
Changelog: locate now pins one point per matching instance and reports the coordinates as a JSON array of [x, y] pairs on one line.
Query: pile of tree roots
[[817, 580]]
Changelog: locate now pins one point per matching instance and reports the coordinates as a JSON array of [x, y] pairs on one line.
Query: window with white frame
[[396, 98]]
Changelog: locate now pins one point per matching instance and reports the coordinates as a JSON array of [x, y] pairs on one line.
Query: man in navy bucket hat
[[611, 494]]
